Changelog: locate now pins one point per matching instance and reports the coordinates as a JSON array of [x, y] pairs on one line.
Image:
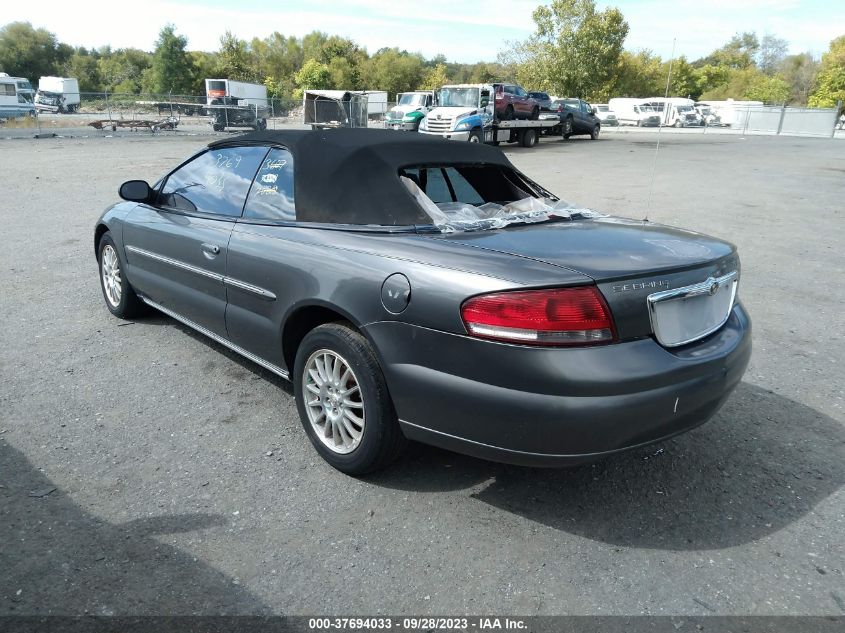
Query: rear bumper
[[555, 407]]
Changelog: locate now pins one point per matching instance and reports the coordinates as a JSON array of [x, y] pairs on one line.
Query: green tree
[[31, 53], [574, 51], [236, 60], [434, 78], [639, 74], [767, 89], [830, 83], [771, 53], [171, 70], [683, 79], [740, 52], [393, 70], [345, 74], [278, 57], [799, 72], [313, 75], [123, 70], [709, 78], [85, 67], [203, 66]]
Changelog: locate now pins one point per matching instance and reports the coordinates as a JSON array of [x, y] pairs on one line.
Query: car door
[[523, 103], [590, 119], [264, 270], [176, 247]]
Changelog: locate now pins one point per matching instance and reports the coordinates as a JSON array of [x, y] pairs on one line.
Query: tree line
[[576, 50]]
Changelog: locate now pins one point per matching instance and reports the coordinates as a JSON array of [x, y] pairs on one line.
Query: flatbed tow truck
[[467, 112]]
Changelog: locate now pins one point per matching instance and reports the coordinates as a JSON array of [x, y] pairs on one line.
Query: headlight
[[463, 126]]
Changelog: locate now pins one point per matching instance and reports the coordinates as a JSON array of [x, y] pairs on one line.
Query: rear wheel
[[528, 138], [121, 299], [343, 401]]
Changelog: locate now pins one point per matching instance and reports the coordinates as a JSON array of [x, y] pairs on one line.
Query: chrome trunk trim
[[710, 286]]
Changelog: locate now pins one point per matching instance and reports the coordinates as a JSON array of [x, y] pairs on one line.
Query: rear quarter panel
[[345, 271]]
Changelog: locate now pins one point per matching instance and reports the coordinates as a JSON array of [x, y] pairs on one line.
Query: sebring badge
[[642, 285]]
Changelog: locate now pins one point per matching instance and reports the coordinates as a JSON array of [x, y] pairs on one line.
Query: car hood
[[601, 248], [450, 112]]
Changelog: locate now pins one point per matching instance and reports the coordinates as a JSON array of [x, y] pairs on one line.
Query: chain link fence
[[89, 112]]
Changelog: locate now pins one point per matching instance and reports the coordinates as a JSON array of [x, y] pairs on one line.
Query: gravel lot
[[146, 470]]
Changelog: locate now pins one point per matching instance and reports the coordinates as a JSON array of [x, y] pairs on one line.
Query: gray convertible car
[[414, 288]]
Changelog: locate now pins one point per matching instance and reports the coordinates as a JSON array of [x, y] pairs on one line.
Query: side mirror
[[594, 110], [135, 191]]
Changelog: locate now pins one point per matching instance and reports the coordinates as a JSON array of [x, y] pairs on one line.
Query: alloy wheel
[[333, 401], [110, 269]]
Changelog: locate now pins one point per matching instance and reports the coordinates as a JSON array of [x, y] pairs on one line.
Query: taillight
[[560, 316]]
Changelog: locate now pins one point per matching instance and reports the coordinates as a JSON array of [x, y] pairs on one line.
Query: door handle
[[212, 249]]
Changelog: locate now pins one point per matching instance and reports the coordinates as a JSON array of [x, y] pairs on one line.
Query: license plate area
[[683, 315]]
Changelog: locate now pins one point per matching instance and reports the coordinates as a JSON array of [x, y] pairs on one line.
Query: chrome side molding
[[229, 281]]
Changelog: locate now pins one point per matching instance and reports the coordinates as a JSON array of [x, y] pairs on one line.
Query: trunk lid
[[628, 260]]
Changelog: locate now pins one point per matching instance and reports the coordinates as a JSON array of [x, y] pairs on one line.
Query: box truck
[[236, 104], [57, 94]]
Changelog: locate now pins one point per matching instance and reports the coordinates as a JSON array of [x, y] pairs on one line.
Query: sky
[[463, 30]]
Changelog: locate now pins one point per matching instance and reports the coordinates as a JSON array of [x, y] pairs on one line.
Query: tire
[[528, 138], [119, 296], [535, 113], [380, 439], [217, 127], [509, 114], [639, 123], [678, 123], [568, 127], [476, 137], [594, 134]]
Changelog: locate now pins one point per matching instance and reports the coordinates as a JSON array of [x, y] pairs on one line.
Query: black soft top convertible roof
[[350, 176]]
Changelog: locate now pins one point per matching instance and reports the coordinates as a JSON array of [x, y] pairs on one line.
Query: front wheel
[[343, 401], [475, 137], [594, 135], [535, 113], [121, 299], [566, 132], [509, 114]]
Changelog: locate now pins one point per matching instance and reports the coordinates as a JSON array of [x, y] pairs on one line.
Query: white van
[[634, 111], [675, 111], [13, 102], [24, 87], [58, 94]]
